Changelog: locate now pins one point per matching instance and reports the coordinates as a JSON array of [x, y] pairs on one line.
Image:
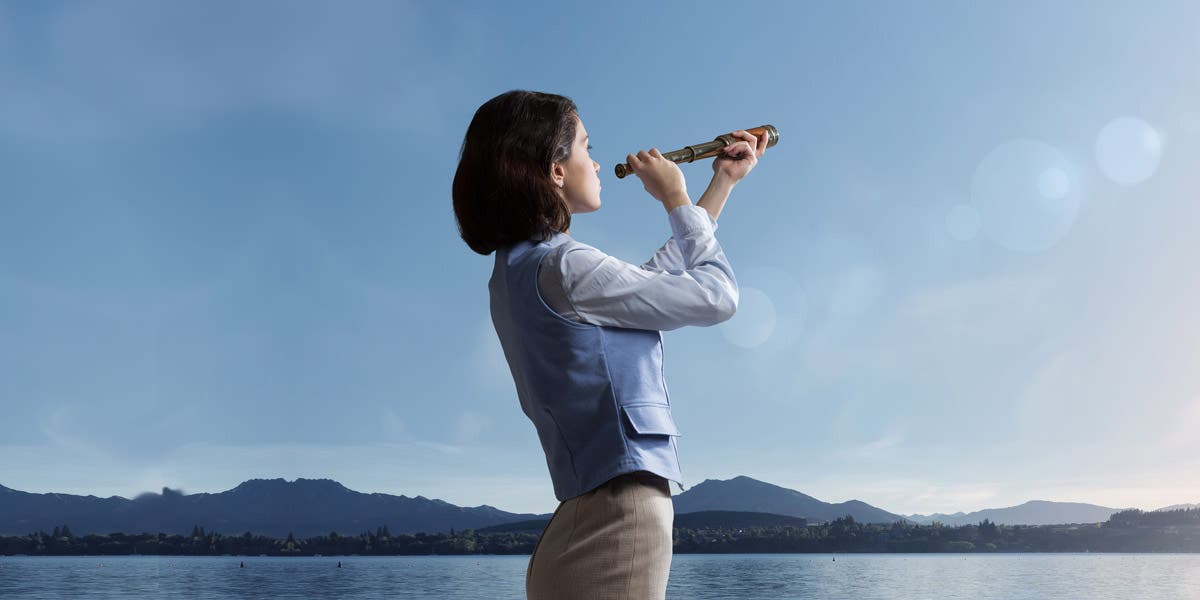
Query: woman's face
[[579, 175]]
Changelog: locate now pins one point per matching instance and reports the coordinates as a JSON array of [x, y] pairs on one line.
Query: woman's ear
[[558, 174]]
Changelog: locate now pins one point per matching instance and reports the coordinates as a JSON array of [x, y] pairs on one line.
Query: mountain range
[[1034, 512], [311, 507], [271, 507], [751, 495]]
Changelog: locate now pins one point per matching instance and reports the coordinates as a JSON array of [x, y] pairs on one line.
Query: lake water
[[741, 576]]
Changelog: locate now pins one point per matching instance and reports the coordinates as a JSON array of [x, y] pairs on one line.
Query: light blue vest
[[596, 394]]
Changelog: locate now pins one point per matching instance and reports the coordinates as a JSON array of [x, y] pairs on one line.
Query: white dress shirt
[[688, 281]]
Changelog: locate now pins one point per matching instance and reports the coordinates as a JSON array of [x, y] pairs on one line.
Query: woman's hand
[[737, 159], [661, 177]]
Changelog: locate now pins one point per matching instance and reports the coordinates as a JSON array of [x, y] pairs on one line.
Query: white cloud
[[884, 445]]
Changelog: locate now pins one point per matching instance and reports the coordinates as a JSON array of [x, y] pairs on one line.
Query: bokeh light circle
[[1054, 183], [1128, 150], [754, 321], [1026, 195]]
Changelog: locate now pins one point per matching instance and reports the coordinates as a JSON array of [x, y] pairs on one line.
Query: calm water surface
[[857, 576]]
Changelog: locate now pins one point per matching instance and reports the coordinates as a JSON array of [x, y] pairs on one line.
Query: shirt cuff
[[690, 218]]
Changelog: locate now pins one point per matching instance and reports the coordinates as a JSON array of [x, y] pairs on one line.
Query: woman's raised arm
[[604, 290]]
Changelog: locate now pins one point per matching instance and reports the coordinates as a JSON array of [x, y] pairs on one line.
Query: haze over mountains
[[311, 507], [1178, 507], [1034, 512]]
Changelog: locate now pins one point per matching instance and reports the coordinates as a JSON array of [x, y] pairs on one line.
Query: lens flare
[[1026, 195], [1128, 150], [754, 321]]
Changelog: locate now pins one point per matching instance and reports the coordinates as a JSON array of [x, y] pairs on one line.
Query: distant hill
[[1034, 512], [708, 519], [745, 494], [1177, 507], [273, 507]]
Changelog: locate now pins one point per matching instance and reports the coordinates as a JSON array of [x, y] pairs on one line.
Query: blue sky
[[967, 269]]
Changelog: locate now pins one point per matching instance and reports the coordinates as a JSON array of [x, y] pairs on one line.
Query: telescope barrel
[[696, 152]]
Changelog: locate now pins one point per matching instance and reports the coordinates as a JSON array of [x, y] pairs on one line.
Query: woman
[[582, 332]]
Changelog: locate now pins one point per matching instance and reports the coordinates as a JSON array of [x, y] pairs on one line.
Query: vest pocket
[[650, 419]]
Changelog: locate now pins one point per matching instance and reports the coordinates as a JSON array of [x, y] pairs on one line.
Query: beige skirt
[[611, 542]]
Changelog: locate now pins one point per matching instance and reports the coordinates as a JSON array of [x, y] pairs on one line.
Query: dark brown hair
[[502, 189]]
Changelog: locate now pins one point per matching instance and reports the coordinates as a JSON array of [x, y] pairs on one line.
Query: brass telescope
[[689, 154]]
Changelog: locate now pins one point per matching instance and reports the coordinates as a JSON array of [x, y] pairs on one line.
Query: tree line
[[1126, 531]]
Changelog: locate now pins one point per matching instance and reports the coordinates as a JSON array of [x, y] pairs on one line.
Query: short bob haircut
[[503, 193]]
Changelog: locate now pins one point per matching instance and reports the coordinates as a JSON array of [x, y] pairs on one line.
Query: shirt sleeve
[[669, 256], [697, 288]]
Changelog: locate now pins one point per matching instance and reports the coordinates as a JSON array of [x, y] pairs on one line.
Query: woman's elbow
[[725, 308]]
